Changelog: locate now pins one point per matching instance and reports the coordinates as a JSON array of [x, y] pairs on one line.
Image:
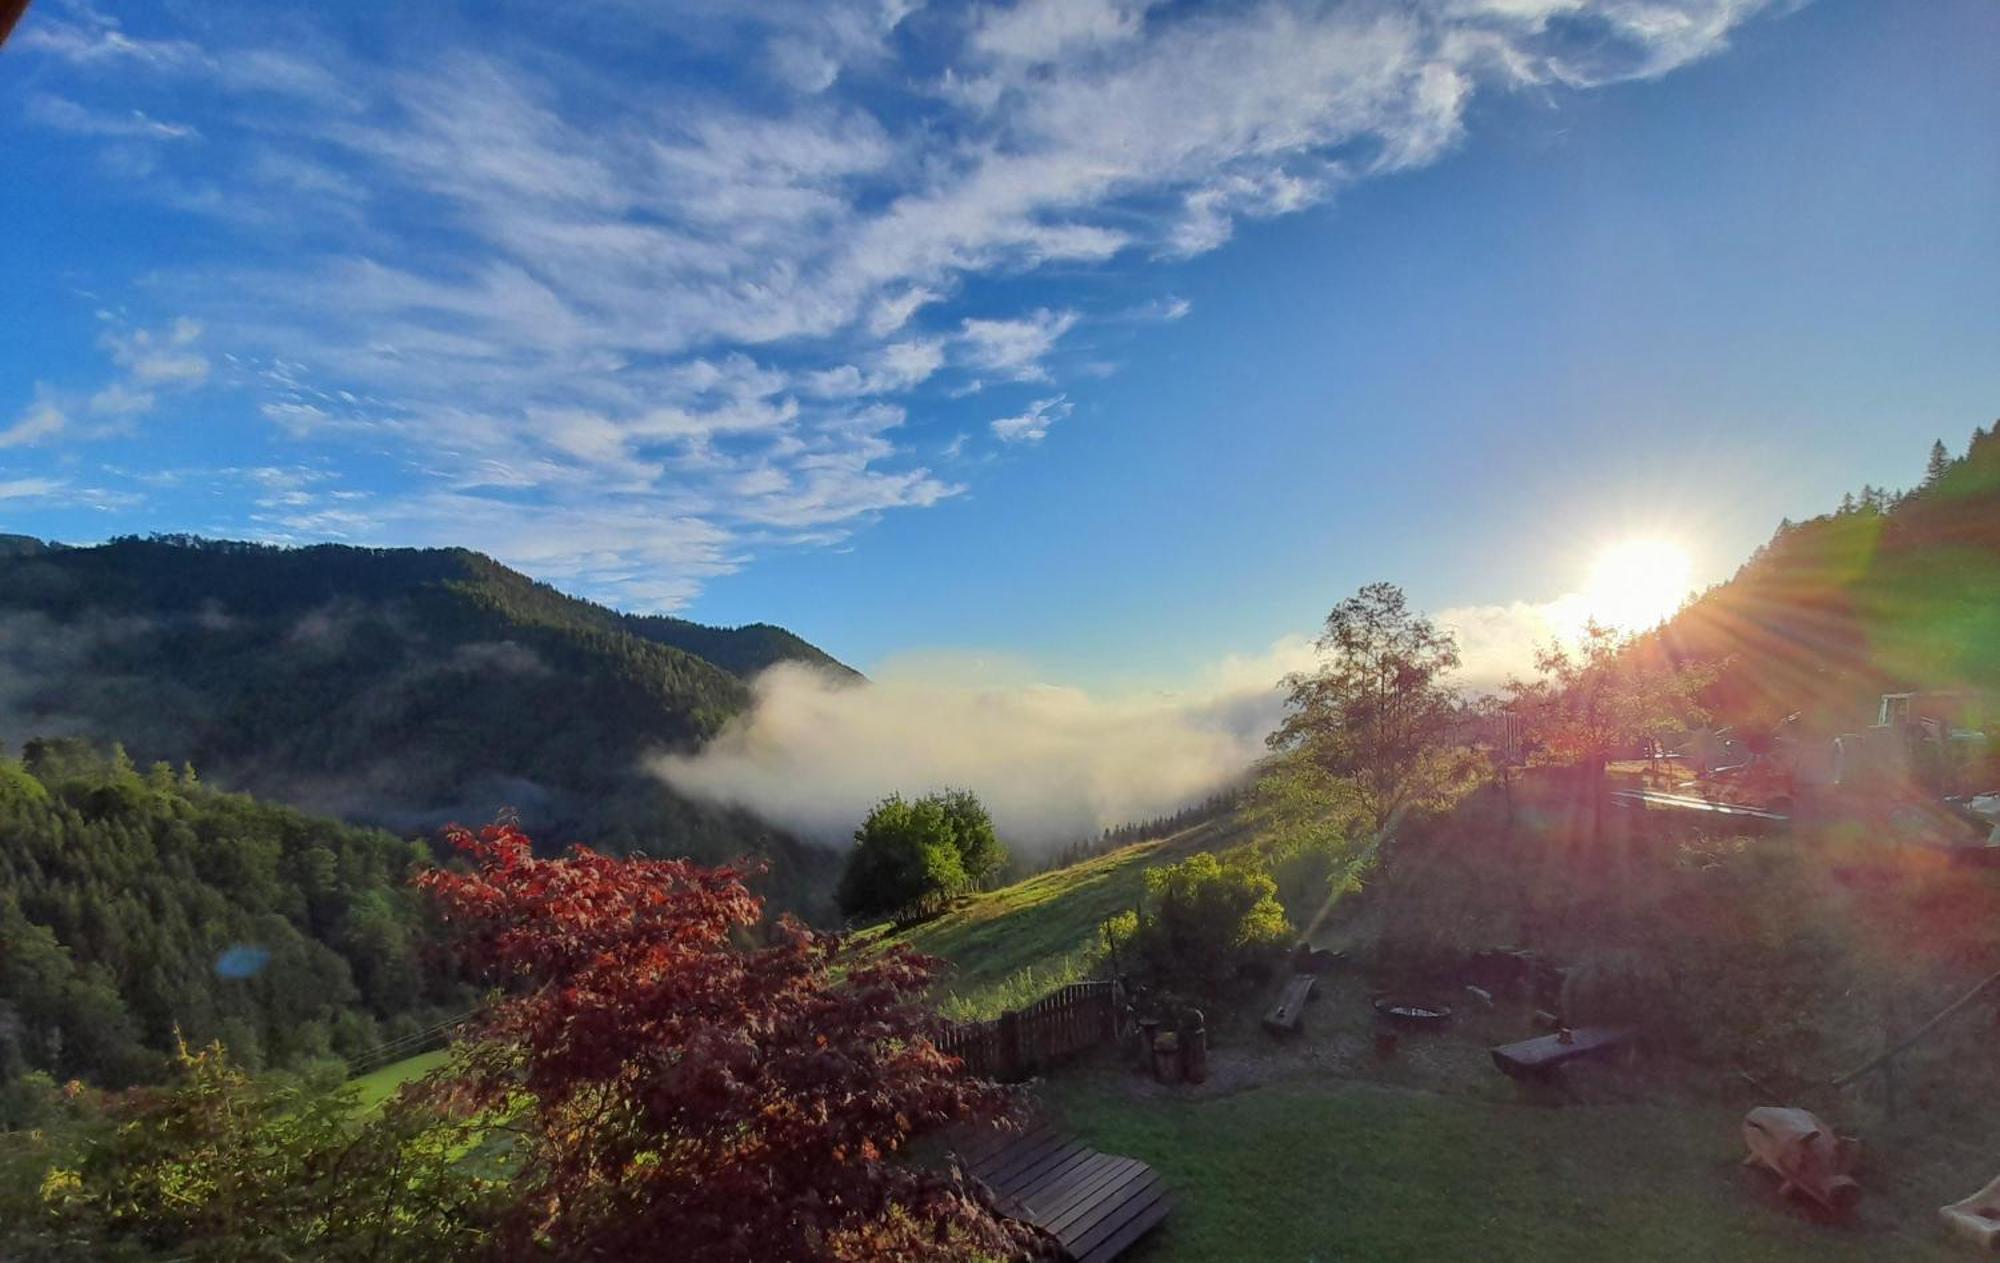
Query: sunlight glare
[[1637, 583]]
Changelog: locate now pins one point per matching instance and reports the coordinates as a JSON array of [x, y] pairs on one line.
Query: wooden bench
[[1094, 1204], [1546, 1053], [1285, 1017]]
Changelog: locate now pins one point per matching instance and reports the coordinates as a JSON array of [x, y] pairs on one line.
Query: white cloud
[[163, 358], [1014, 348], [895, 368], [1032, 426], [150, 362], [1053, 764], [66, 115], [29, 489], [41, 419], [1044, 30], [541, 273], [1496, 642]]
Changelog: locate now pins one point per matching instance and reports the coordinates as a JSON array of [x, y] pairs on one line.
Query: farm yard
[[1324, 1145], [1311, 1148]]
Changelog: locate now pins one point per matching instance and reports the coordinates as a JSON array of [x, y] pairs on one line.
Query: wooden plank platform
[[1285, 1017], [1094, 1204], [1544, 1053]]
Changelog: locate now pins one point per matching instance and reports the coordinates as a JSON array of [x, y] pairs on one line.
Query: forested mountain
[[1890, 592], [132, 904], [398, 687]]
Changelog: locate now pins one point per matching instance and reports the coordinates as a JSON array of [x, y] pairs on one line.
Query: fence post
[[1010, 1045]]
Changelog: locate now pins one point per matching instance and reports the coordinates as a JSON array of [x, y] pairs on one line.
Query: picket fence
[[1022, 1042]]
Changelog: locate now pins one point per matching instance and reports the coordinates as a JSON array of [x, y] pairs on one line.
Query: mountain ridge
[[395, 687]]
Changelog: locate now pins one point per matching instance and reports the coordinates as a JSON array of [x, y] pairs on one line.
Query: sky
[[1107, 342]]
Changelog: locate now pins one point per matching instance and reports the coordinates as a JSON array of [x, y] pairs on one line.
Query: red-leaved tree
[[679, 1092]]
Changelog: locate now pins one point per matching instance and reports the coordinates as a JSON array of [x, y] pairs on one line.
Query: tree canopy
[[672, 1085], [134, 904], [908, 849], [1377, 714]]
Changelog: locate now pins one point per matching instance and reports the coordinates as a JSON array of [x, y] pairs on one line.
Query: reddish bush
[[680, 1094]]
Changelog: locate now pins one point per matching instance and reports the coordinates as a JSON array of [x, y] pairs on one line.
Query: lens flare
[[1637, 583]]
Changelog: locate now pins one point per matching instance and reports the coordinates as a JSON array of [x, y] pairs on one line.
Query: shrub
[[218, 1166], [1204, 917], [907, 850]]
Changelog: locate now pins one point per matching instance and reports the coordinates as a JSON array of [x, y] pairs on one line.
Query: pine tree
[[1937, 466]]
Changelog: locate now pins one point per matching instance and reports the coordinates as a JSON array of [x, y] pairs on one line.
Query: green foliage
[[1889, 593], [1204, 916], [217, 1166], [1378, 712], [979, 851], [399, 687], [1012, 946], [1312, 833], [906, 850], [132, 906], [902, 852], [1603, 696]]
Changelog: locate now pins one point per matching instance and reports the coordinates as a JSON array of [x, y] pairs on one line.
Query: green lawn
[[1015, 945], [1308, 1167], [382, 1084]]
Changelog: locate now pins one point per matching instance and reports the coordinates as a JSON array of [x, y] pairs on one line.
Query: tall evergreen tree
[[1937, 466]]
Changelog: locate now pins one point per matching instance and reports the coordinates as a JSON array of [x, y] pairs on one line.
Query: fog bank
[[1053, 764]]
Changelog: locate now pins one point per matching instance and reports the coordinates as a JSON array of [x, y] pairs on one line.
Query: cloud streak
[[576, 286]]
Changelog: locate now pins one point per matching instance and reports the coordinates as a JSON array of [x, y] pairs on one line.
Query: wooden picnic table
[[1286, 1016], [1094, 1204], [1545, 1053]]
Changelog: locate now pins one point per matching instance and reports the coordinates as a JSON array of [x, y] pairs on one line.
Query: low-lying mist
[[1053, 764]]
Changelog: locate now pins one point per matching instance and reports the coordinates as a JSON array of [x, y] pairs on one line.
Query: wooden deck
[[1094, 1204]]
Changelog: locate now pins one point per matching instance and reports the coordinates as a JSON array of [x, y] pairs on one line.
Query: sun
[[1637, 583]]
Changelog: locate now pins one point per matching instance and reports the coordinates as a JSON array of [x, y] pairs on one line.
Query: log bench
[[1544, 1054], [1285, 1017]]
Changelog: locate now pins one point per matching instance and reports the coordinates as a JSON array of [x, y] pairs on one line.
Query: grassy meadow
[[1011, 946], [1312, 1148]]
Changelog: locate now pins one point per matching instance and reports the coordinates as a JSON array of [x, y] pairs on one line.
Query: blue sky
[[1114, 338]]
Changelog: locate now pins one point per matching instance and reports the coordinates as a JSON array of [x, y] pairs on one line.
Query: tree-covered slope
[[136, 904], [1887, 593], [399, 687]]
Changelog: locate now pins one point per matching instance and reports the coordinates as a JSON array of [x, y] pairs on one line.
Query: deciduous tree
[[679, 1093], [1377, 713]]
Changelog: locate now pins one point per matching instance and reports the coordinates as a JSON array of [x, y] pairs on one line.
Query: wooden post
[[1010, 1046]]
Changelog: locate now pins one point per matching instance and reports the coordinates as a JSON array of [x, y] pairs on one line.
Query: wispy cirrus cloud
[[1032, 425], [148, 363], [678, 318]]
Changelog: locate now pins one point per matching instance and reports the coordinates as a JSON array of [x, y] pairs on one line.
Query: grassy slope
[[1309, 1150], [1013, 945], [382, 1084]]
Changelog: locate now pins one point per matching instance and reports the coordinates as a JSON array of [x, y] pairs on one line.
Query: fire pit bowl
[[1412, 1014]]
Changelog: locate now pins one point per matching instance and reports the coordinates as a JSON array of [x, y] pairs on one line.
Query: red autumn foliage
[[680, 1093]]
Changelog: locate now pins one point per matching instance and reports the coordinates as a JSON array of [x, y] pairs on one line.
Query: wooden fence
[[1021, 1042], [407, 1045]]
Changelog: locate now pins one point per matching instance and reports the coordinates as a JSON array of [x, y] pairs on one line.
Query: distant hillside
[[399, 687], [134, 904], [1888, 593]]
